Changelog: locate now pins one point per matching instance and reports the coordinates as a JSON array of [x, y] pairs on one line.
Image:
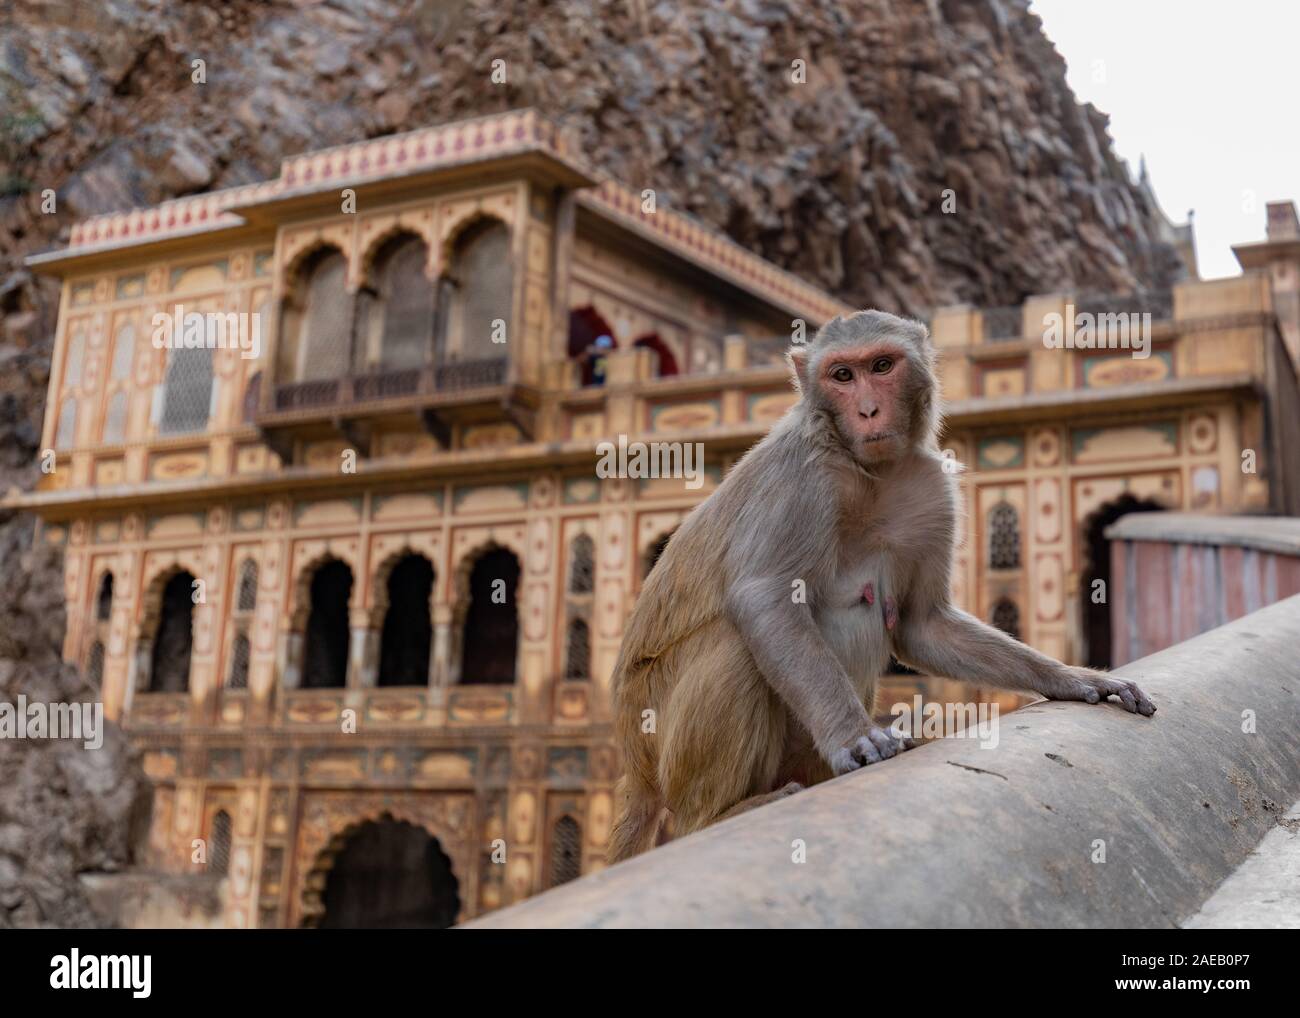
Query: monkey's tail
[[637, 827]]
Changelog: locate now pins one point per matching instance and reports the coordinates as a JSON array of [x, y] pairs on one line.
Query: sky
[[1207, 90]]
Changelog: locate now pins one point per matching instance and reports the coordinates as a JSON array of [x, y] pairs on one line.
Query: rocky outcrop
[[840, 177]]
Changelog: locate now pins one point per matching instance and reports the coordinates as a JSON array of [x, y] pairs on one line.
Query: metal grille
[[566, 851], [1003, 324], [1006, 616], [387, 384], [306, 394], [239, 654], [484, 273], [187, 391], [327, 325], [578, 651], [115, 419], [582, 566], [1004, 537], [123, 352], [408, 305], [471, 374], [247, 599], [1158, 303], [219, 850]]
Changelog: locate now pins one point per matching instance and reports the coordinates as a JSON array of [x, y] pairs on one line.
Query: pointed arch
[[566, 850], [1006, 616], [406, 639], [591, 339], [665, 359], [397, 306], [187, 391], [327, 640], [219, 843], [316, 318], [173, 640], [246, 594], [488, 614], [480, 272], [104, 597]]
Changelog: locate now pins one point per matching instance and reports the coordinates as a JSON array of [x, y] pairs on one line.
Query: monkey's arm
[[794, 657], [943, 640]]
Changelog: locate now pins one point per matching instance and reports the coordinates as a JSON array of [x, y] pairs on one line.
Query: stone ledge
[[952, 835]]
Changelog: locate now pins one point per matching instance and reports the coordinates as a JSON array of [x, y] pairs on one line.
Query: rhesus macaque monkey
[[760, 633]]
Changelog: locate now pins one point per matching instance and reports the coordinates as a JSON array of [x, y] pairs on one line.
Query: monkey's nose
[[868, 410]]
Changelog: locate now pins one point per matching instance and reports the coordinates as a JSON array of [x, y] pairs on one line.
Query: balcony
[[437, 395]]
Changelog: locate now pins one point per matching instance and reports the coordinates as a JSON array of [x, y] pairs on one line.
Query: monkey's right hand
[[878, 744]]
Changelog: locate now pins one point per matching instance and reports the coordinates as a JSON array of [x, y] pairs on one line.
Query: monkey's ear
[[798, 358]]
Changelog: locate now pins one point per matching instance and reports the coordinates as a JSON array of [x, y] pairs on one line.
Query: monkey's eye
[[842, 374], [881, 365]]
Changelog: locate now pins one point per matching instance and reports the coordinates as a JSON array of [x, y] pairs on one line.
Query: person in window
[[598, 357]]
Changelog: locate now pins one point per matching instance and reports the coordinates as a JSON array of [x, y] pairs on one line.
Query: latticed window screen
[[67, 428], [483, 272], [582, 566], [115, 419], [246, 601], [219, 849], [95, 664], [187, 391], [577, 651], [1006, 616], [408, 306], [123, 352], [1004, 537], [327, 322], [566, 851], [239, 654]]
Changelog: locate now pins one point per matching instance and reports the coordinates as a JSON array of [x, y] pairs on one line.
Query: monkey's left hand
[[1093, 687]]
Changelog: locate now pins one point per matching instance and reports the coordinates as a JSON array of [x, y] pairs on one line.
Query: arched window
[[1004, 537], [325, 651], [246, 599], [490, 642], [316, 322], [66, 431], [408, 629], [591, 340], [219, 849], [483, 277], [566, 851], [665, 359], [239, 655], [577, 650], [104, 599], [170, 668], [95, 665], [115, 419], [1006, 616], [123, 353], [582, 565], [398, 313], [187, 391]]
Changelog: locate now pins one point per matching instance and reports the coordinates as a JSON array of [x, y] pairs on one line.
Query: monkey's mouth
[[881, 437]]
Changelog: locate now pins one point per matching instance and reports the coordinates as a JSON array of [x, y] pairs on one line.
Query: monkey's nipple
[[869, 594]]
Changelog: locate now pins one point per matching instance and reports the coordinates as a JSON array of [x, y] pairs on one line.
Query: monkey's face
[[871, 391]]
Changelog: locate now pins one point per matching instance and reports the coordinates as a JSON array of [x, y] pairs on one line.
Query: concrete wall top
[[954, 835], [1280, 534]]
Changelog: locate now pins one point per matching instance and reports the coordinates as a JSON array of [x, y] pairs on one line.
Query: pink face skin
[[864, 387]]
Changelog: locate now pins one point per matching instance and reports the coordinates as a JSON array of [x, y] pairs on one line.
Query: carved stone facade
[[290, 505]]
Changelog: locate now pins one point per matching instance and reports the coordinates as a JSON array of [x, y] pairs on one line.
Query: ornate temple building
[[322, 459]]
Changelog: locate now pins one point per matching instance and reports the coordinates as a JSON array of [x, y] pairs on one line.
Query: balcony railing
[[1002, 324], [393, 384], [1157, 303]]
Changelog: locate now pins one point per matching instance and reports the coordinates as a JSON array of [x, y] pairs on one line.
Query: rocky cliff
[[840, 177]]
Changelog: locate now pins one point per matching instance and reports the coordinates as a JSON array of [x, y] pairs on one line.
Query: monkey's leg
[[723, 731], [745, 805]]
